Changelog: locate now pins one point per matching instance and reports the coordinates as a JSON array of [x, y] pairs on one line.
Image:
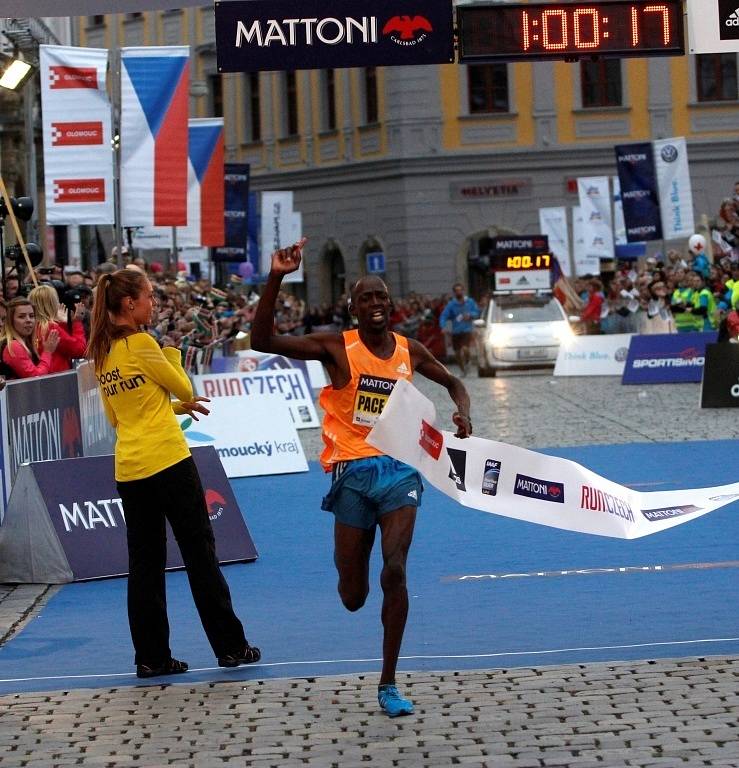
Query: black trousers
[[175, 494]]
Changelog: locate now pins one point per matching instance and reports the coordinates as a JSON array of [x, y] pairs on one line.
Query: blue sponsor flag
[[639, 193], [236, 214]]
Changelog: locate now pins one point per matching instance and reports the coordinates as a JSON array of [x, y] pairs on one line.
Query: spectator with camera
[[23, 353], [67, 322]]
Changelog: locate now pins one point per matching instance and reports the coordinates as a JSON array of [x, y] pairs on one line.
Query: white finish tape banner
[[525, 485]]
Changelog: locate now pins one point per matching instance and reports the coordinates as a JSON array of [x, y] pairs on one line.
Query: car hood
[[529, 333]]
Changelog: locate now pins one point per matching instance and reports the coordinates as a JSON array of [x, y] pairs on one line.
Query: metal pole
[[174, 251], [29, 97], [115, 121]]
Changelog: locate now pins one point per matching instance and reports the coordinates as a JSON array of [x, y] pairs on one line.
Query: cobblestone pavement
[[682, 712]]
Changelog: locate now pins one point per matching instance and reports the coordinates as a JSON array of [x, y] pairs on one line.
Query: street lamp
[[14, 72]]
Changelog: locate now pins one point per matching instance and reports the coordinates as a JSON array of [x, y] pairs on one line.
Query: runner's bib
[[372, 395]]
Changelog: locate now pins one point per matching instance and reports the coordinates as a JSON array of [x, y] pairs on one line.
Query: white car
[[520, 330]]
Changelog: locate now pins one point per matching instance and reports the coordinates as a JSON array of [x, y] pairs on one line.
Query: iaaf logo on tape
[[79, 190], [666, 513], [544, 490], [72, 77], [431, 440], [76, 134]]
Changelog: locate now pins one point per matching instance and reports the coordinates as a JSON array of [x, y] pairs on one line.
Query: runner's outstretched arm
[[313, 346], [427, 365]]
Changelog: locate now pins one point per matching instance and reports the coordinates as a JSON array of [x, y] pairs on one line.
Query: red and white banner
[[78, 159], [155, 81], [515, 482]]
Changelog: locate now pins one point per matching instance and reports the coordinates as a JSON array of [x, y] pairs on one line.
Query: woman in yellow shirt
[[157, 477]]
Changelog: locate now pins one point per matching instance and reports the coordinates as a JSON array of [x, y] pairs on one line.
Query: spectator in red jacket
[[591, 313], [49, 314], [21, 356]]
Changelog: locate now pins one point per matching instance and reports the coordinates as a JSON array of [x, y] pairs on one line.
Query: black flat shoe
[[169, 667], [249, 655]]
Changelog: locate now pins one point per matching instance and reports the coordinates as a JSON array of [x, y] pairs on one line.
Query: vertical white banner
[[277, 225], [296, 233], [585, 264], [76, 120], [553, 224], [595, 204], [675, 192], [619, 223]]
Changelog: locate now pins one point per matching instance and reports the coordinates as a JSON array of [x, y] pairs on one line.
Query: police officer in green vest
[[704, 304], [731, 297], [682, 304]]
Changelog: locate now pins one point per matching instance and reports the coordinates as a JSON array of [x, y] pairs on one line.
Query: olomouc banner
[[155, 82], [78, 163], [522, 484]]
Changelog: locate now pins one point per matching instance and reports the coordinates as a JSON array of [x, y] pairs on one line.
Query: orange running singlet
[[351, 412]]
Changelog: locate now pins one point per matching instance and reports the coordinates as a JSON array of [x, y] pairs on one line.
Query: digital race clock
[[520, 262], [612, 28]]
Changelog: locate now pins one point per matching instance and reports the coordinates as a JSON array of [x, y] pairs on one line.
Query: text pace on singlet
[[372, 395]]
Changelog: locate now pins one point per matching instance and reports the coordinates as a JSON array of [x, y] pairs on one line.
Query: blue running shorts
[[363, 490]]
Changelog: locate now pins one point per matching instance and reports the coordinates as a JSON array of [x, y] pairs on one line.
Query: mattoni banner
[[256, 35], [514, 482], [236, 215], [76, 122], [639, 194]]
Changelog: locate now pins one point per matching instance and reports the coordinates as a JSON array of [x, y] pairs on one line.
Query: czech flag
[[155, 82]]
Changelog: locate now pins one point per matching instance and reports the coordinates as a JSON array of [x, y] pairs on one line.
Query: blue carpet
[[287, 598]]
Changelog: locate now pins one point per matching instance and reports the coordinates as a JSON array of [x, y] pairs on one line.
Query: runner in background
[[368, 489]]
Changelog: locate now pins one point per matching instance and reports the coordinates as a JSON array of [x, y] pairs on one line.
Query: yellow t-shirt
[[135, 383]]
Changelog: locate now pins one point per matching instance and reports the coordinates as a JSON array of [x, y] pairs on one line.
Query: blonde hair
[[9, 332], [45, 301]]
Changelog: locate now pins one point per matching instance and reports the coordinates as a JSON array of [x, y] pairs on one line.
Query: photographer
[[51, 315], [24, 355]]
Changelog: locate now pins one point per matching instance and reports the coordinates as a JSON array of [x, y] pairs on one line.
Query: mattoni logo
[[666, 513], [458, 468], [76, 134], [215, 502], [79, 190], [728, 20], [544, 490], [73, 77], [431, 440], [407, 30]]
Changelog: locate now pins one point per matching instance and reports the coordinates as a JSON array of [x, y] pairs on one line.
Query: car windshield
[[525, 309]]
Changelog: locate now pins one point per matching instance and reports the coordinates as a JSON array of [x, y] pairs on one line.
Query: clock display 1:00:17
[[615, 28]]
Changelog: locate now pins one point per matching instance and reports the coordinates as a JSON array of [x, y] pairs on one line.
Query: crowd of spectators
[[45, 327]]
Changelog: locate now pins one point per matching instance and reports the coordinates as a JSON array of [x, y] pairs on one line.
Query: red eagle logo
[[407, 26]]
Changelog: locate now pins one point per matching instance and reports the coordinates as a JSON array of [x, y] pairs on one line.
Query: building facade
[[427, 163]]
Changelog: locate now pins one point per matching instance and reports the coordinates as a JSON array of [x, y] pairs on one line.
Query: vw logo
[[669, 153]]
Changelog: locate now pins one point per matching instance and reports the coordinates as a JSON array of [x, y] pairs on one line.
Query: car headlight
[[497, 337], [563, 332]]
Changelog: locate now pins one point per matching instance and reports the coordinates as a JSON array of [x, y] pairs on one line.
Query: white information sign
[[593, 355], [288, 383], [534, 280], [252, 436], [713, 26]]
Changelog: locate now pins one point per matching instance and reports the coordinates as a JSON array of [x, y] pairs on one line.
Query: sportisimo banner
[[78, 163], [525, 485], [256, 35], [667, 358], [154, 132]]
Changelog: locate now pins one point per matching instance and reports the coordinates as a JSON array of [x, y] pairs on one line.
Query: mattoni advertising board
[[720, 388], [288, 383], [593, 355], [254, 35], [252, 435], [65, 521], [98, 436], [666, 358]]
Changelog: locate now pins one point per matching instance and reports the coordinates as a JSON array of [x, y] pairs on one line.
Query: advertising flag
[[553, 224], [296, 233], [585, 264], [236, 212], [277, 225], [675, 192], [595, 205], [76, 120], [154, 104], [639, 194]]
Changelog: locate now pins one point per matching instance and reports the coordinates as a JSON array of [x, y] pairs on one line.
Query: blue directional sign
[[376, 263]]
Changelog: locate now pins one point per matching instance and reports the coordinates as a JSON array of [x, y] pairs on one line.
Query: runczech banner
[[154, 104], [515, 482]]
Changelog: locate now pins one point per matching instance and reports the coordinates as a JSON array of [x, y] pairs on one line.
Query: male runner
[[368, 489]]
